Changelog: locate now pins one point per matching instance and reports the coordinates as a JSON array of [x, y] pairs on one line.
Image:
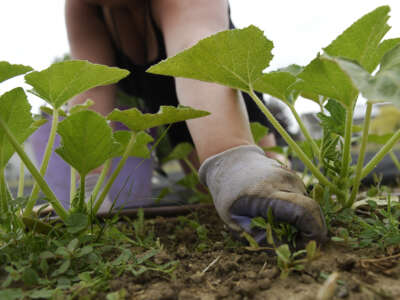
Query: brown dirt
[[226, 270]]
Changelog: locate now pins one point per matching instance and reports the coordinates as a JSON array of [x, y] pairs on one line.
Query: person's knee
[[184, 23]]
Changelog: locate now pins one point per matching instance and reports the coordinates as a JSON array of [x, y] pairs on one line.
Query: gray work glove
[[244, 184]]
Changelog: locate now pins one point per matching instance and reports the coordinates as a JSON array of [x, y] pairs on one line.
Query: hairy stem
[[394, 159], [114, 175], [99, 182], [191, 167], [72, 187], [3, 193], [346, 158], [45, 161], [59, 209], [381, 154], [21, 180], [305, 132], [360, 162], [81, 203], [303, 157]]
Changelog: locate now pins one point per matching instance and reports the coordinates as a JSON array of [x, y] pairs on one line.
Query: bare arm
[[90, 40]]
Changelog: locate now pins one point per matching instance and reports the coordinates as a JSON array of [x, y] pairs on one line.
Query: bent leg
[[89, 40], [183, 24]]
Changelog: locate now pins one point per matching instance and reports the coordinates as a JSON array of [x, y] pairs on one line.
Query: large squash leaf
[[86, 141], [138, 121], [64, 80], [361, 42], [323, 77], [234, 58], [8, 70], [15, 111], [384, 86]]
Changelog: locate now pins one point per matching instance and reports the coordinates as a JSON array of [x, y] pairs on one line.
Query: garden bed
[[224, 269]]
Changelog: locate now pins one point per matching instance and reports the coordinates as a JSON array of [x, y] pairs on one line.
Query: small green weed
[[68, 265], [201, 231]]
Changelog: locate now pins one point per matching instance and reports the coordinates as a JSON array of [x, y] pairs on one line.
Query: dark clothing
[[156, 90]]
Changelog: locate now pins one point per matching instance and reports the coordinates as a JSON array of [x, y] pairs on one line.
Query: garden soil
[[225, 269]]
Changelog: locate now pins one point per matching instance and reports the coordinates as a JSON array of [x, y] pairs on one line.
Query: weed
[[67, 264], [201, 231]]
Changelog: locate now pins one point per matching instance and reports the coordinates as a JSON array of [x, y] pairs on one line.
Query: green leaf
[[137, 121], [76, 222], [64, 80], [324, 77], [85, 251], [270, 238], [46, 255], [390, 54], [234, 58], [79, 107], [283, 253], [41, 294], [11, 294], [62, 269], [259, 222], [8, 70], [30, 276], [180, 151], [86, 141], [252, 242], [140, 147], [258, 131], [73, 244], [15, 110], [384, 86], [335, 120], [379, 139], [361, 41], [277, 84], [118, 295]]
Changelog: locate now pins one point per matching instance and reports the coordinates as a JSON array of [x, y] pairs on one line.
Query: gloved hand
[[244, 184]]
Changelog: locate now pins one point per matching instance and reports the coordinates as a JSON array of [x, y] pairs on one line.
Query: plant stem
[[305, 132], [380, 154], [45, 161], [59, 209], [360, 162], [191, 167], [303, 157], [21, 180], [394, 159], [72, 187], [3, 193], [114, 175], [346, 158], [81, 203], [99, 182]]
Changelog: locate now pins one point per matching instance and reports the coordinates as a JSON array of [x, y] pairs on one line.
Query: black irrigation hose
[[163, 211]]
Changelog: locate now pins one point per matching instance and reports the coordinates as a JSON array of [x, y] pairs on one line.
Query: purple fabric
[[132, 188]]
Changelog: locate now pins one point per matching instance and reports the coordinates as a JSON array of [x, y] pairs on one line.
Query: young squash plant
[[334, 80], [87, 139]]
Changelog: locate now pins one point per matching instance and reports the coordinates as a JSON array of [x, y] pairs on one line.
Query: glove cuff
[[216, 159]]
